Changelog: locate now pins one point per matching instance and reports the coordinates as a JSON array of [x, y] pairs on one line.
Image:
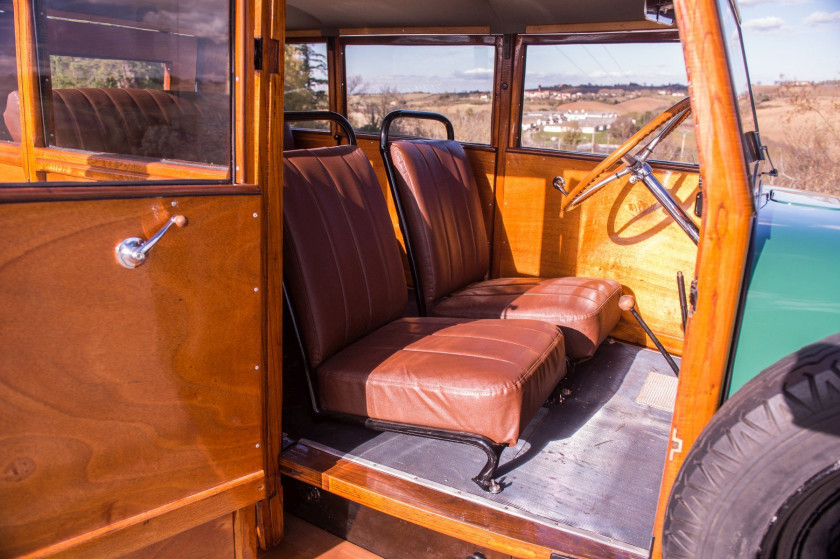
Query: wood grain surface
[[620, 233], [443, 512], [125, 390], [724, 236]]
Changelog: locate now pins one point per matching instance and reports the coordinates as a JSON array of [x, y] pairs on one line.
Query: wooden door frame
[[269, 26], [724, 237]]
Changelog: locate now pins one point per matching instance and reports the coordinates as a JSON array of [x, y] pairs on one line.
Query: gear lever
[[628, 303]]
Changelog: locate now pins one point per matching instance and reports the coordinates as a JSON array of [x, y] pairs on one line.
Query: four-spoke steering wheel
[[637, 167]]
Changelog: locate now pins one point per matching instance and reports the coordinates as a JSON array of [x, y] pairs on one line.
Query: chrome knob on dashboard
[[131, 252], [560, 184]]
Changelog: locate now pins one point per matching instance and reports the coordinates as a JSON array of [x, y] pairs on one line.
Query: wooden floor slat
[[444, 512], [305, 541]]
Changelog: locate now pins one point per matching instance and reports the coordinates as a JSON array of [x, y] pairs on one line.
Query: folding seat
[[441, 220], [472, 381]]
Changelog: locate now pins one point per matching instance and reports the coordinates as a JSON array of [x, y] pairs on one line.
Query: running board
[[449, 512]]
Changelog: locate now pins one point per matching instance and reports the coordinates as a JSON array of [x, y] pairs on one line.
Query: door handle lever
[[131, 252]]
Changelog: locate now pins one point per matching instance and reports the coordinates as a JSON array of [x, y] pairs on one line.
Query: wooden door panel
[[127, 393], [620, 233]]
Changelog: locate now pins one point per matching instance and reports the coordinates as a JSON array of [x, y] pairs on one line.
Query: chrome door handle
[[131, 252]]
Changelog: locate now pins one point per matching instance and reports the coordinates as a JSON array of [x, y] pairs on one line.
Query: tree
[[306, 78]]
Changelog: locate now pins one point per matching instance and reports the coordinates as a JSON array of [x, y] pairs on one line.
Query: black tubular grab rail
[[385, 151], [300, 116]]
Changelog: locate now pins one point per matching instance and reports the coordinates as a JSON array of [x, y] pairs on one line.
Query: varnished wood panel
[[125, 390], [620, 233], [724, 236], [142, 530], [88, 166], [268, 92], [211, 539], [443, 512], [305, 541], [378, 31], [11, 173]]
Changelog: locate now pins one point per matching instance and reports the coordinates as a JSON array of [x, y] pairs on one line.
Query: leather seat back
[[443, 214], [341, 259], [141, 122], [288, 137]]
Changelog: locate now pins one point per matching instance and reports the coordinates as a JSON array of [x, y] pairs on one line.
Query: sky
[[797, 39], [783, 39]]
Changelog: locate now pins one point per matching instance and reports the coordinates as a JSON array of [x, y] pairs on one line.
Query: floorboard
[[592, 463]]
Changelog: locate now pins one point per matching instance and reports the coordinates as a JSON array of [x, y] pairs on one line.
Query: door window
[[9, 115], [150, 81]]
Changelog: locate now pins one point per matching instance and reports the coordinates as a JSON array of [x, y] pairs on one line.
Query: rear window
[[454, 80]]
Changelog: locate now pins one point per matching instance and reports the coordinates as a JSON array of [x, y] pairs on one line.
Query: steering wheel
[[676, 114]]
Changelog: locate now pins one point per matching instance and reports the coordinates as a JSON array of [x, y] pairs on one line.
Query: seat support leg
[[485, 478]]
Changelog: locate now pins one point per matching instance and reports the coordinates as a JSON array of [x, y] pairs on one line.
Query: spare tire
[[763, 478]]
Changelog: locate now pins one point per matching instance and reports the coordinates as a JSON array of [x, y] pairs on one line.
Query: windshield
[[741, 84]]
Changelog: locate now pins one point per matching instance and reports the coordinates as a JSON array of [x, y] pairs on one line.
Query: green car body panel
[[793, 291]]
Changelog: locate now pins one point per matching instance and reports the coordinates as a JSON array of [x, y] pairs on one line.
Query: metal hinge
[[267, 59]]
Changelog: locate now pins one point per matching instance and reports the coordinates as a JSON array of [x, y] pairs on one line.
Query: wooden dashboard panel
[[620, 233]]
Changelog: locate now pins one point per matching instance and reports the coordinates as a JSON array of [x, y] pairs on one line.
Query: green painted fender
[[793, 293]]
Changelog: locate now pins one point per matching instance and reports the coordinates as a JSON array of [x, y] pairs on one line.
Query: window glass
[[150, 81], [592, 97], [306, 81], [456, 81], [8, 72]]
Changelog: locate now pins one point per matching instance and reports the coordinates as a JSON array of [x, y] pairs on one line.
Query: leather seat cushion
[[478, 376], [585, 308]]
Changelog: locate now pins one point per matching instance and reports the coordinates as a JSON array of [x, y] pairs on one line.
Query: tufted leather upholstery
[[443, 213], [345, 279], [142, 122], [470, 376]]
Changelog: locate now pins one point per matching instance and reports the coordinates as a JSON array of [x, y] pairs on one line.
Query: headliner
[[502, 16]]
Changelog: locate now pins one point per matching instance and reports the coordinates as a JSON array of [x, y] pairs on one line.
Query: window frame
[[615, 37], [493, 40], [331, 101], [115, 173]]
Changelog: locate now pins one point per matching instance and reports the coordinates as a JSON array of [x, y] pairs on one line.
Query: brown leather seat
[[444, 222], [345, 280], [288, 137], [139, 122]]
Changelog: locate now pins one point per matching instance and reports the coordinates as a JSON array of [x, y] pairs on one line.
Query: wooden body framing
[[239, 490]]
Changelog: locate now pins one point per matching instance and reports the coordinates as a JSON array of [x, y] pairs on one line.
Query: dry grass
[[801, 127], [799, 124]]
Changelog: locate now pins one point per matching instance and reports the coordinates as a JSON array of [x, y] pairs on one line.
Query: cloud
[[475, 73], [818, 18], [770, 24]]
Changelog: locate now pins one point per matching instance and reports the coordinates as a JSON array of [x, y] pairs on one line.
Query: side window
[[591, 97], [456, 81], [306, 85], [152, 83], [9, 115]]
